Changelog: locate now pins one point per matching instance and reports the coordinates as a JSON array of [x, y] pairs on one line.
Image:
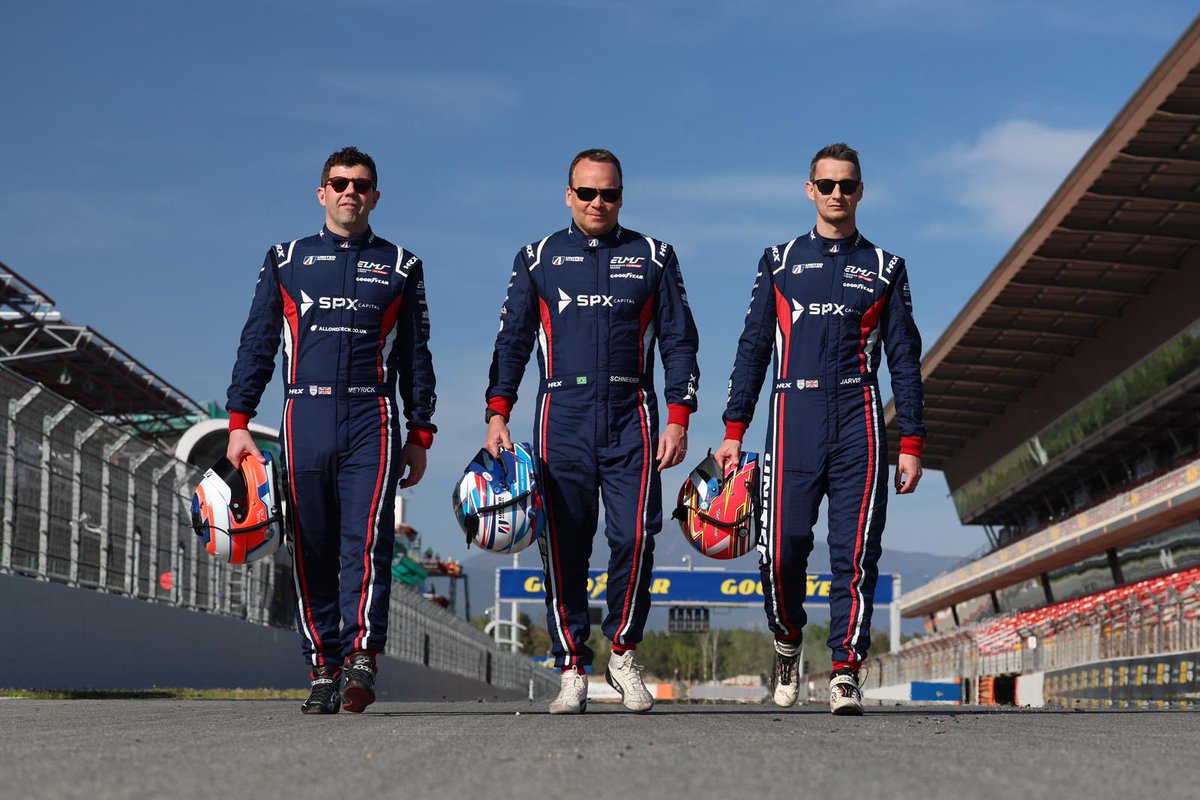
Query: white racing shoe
[[845, 696], [625, 675], [785, 682], [572, 694]]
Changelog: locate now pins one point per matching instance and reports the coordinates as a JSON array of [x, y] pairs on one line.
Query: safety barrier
[[88, 504]]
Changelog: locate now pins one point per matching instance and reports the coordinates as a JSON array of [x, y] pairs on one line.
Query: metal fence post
[[49, 423], [109, 452], [177, 545], [156, 477], [10, 475], [81, 438], [192, 550], [131, 580]]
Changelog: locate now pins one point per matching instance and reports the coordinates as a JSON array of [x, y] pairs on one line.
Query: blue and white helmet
[[498, 503]]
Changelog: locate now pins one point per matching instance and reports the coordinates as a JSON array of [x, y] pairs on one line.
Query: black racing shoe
[[358, 687], [324, 697]]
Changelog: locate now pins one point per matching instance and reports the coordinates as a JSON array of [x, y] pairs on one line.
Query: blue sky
[[155, 150]]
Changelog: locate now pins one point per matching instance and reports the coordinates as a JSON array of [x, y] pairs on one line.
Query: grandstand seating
[[1156, 615]]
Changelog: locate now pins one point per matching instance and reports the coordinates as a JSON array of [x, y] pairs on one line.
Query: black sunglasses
[[587, 194], [848, 185], [361, 185]]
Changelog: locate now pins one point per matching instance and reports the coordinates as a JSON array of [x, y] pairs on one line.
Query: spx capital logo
[[817, 310], [327, 303], [584, 300]]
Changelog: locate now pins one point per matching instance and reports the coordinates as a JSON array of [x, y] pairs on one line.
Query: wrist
[[421, 437], [498, 406], [239, 421], [912, 445], [736, 430], [678, 414]]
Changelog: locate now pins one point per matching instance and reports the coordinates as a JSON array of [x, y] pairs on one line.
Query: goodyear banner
[[680, 587]]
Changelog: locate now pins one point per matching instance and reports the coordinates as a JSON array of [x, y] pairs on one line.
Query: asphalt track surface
[[267, 749]]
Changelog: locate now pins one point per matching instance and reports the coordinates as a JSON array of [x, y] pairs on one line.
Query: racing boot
[[785, 683], [358, 689], [324, 697], [572, 694], [625, 675], [845, 694]]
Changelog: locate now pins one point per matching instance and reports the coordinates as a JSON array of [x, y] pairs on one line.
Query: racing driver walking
[[351, 310], [823, 303], [595, 296]]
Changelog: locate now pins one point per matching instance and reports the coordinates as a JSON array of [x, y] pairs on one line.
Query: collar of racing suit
[[843, 245], [586, 242], [346, 242]]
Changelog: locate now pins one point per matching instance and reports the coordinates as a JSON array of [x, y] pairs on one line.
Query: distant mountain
[[671, 550]]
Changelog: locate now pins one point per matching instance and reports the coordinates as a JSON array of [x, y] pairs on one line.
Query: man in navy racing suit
[[351, 310], [595, 296], [823, 304]]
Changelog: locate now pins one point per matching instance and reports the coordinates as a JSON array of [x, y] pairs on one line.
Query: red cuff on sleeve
[[735, 430], [238, 421], [421, 437], [678, 414], [912, 445], [501, 405]]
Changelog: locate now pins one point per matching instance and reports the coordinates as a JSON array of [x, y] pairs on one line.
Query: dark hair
[[349, 157], [603, 156], [839, 151]]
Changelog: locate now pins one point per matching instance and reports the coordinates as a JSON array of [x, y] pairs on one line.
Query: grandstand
[[1063, 406]]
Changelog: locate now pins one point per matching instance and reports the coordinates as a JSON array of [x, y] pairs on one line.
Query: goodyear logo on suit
[[679, 587]]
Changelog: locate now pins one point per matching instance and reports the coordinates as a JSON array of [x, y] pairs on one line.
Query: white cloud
[[1007, 174]]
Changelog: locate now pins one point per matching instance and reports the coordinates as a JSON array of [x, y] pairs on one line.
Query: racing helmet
[[717, 512], [498, 503], [237, 511]]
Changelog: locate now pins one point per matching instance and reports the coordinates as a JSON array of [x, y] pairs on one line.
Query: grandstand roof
[[81, 364], [1094, 280]]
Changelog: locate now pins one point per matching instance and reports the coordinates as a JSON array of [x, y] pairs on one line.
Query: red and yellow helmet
[[719, 512]]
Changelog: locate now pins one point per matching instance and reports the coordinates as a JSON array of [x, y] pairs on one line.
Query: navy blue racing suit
[[822, 308], [355, 329], [595, 305]]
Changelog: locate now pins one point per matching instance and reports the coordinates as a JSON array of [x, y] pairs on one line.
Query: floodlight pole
[[895, 627]]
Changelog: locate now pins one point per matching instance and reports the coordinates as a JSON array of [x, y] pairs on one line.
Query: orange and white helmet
[[237, 511]]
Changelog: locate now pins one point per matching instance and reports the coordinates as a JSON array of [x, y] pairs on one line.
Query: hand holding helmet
[[729, 453], [237, 511], [498, 503], [718, 508]]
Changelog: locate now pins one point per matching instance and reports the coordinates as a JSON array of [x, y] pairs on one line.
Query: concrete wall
[[57, 637]]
